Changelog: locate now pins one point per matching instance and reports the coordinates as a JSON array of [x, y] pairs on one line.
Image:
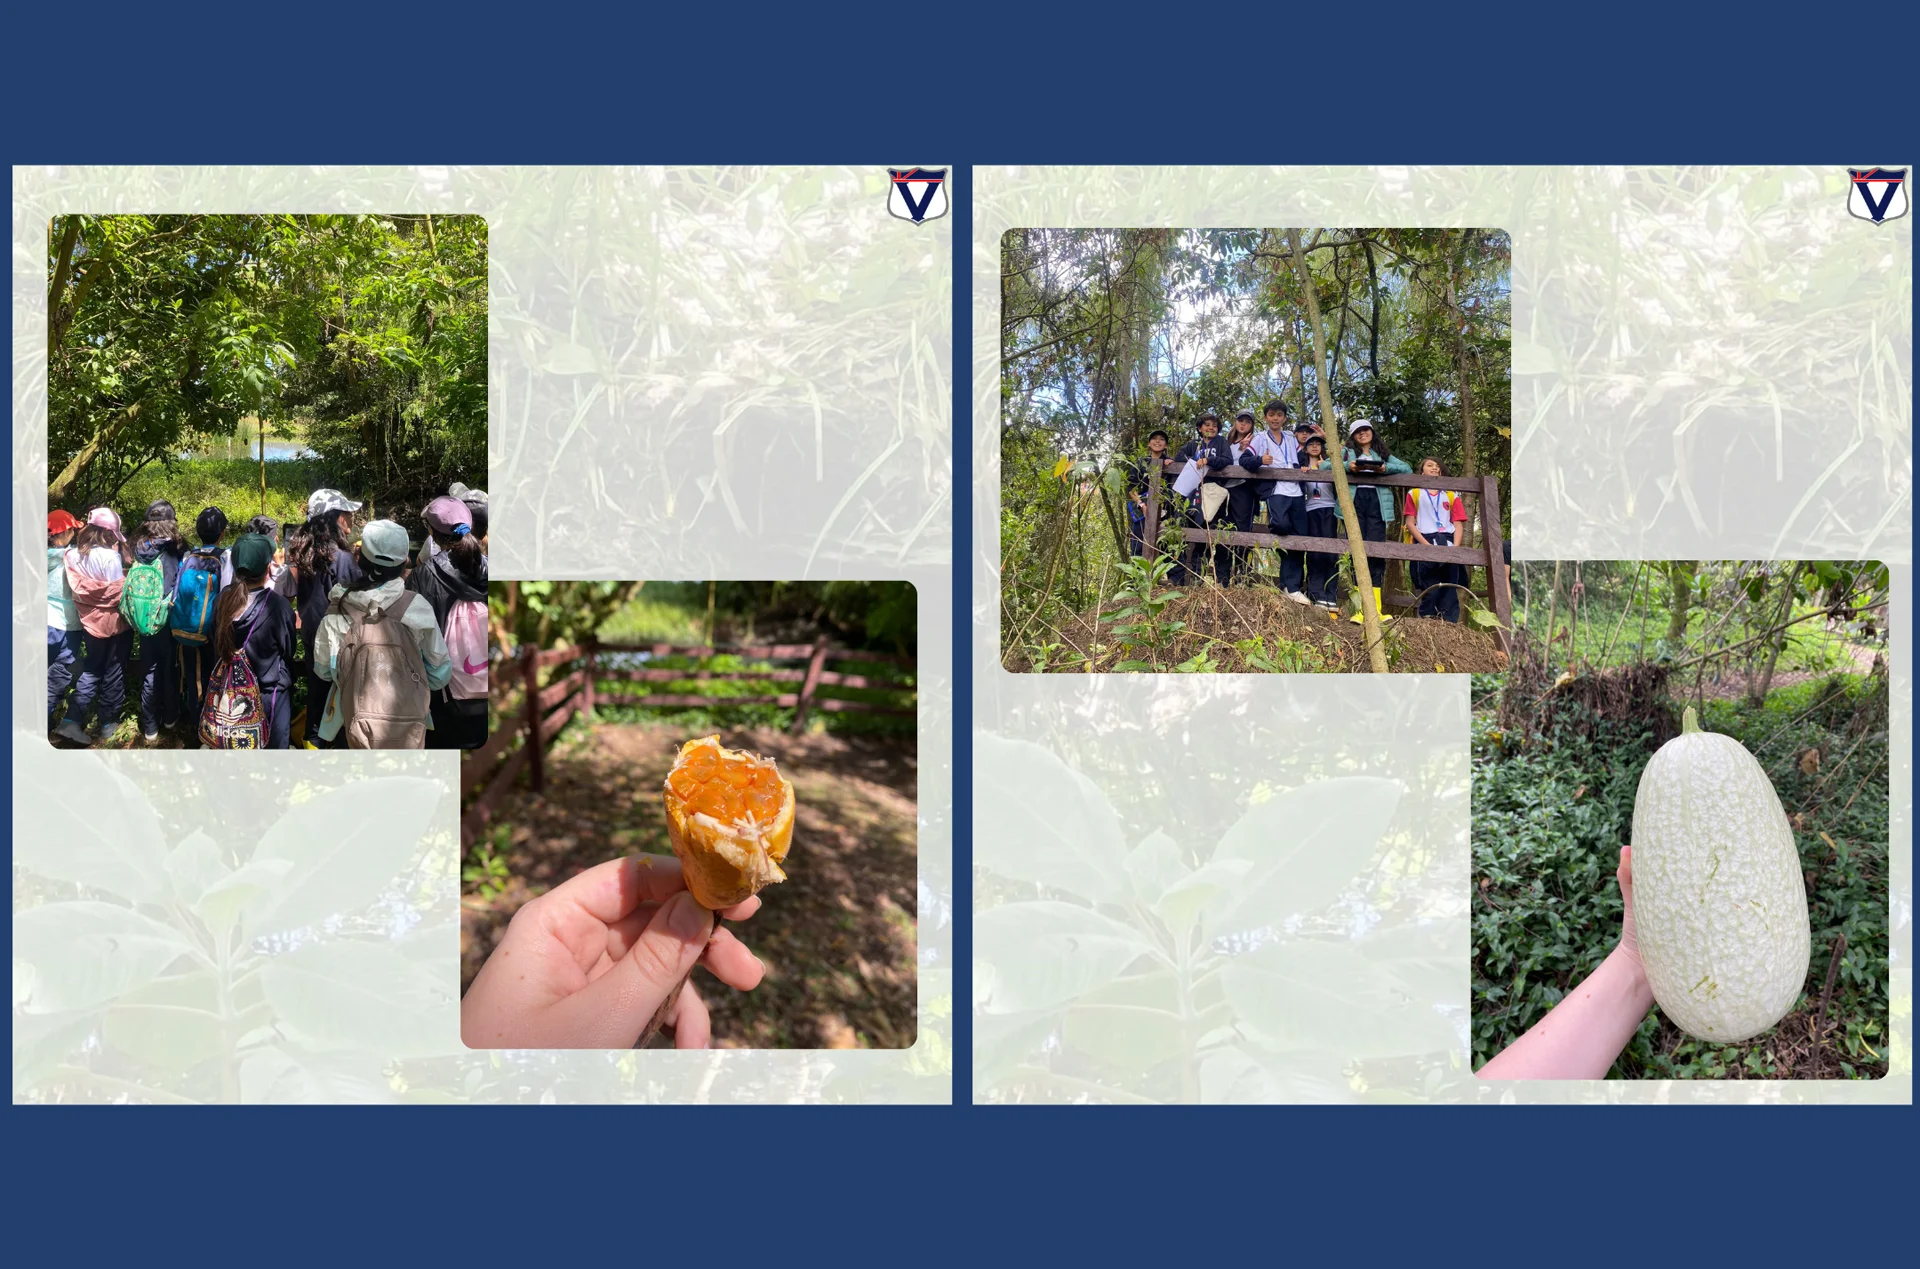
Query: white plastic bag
[[1189, 479]]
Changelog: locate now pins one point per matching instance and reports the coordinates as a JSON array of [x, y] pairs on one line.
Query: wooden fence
[[543, 711], [1483, 490]]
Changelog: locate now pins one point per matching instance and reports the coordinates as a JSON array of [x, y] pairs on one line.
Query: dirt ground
[[1219, 617], [839, 937]]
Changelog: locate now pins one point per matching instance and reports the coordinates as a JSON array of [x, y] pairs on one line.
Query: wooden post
[[815, 665], [1496, 570], [593, 643], [1152, 526], [530, 666]]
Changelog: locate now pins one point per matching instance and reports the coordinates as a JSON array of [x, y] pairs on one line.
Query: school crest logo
[[1878, 194], [918, 194]]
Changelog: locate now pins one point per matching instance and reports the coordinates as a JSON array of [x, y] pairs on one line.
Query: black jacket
[[270, 647], [442, 585]]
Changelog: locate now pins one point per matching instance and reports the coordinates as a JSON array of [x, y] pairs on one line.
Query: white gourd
[[1719, 903]]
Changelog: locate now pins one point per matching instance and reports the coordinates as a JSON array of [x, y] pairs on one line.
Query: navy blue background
[[564, 1186]]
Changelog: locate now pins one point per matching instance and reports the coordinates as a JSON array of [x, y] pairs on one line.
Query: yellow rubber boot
[[1379, 606]]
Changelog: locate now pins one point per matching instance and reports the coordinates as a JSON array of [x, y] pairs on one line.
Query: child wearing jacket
[[455, 572], [380, 582], [96, 569], [1210, 450], [159, 543], [253, 619], [1322, 566], [65, 643], [1366, 455]]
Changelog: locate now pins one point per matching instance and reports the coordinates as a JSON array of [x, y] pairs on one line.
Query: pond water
[[277, 451]]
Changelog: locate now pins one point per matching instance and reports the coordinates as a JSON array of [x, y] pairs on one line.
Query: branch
[[63, 484]]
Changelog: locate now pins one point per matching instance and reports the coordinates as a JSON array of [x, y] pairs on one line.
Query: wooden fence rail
[[494, 767], [1484, 490]]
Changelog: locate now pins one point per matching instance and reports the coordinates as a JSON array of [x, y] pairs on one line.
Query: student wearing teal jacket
[[1366, 455]]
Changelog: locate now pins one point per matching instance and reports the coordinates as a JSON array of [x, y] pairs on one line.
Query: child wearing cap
[[1243, 494], [64, 642], [1209, 450], [1322, 566], [380, 586], [1366, 455], [330, 517], [95, 566], [1279, 446], [252, 618], [1436, 517], [454, 576], [476, 500], [159, 543], [1140, 488]]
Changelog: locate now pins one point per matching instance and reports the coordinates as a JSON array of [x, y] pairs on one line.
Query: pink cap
[[104, 518]]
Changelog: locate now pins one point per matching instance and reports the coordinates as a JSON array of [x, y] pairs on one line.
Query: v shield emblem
[[1878, 194], [918, 194]]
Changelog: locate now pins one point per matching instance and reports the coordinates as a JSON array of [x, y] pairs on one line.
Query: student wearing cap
[[96, 567], [1140, 488], [161, 545], [476, 500], [64, 641], [457, 574], [1209, 450], [1322, 566], [1437, 517], [1366, 455], [330, 518], [381, 566], [253, 619], [1279, 446], [1243, 493]]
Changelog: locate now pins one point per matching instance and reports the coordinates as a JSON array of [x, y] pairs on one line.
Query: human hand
[[586, 965], [1624, 875]]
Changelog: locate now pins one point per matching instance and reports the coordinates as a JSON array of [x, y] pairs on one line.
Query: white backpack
[[466, 636]]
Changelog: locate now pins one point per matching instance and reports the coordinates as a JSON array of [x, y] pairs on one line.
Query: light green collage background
[[733, 372], [1708, 363]]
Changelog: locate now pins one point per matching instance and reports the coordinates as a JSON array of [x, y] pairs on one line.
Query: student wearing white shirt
[[1286, 501], [1243, 494], [1436, 516], [1322, 566]]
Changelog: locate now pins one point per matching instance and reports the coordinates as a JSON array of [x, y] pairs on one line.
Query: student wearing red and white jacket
[[1437, 517]]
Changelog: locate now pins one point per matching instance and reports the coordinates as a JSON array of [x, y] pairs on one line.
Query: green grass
[[1810, 645], [231, 485], [648, 620], [1548, 824]]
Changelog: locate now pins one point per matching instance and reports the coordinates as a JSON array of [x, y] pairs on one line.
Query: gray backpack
[[381, 681]]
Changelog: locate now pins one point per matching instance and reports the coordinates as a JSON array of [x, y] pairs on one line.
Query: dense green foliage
[[1108, 334], [1548, 823], [165, 331]]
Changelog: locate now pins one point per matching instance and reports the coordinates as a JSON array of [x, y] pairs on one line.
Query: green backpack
[[143, 601]]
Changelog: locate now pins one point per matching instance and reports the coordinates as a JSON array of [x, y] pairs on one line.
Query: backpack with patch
[[466, 636], [233, 715], [144, 602], [380, 681], [194, 594]]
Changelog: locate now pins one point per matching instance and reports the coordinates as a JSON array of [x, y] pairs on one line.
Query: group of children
[[1296, 508], [385, 647]]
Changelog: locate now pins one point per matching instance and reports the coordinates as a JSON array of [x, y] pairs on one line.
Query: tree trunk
[[1757, 688], [1467, 462], [1680, 573], [1369, 611], [63, 484]]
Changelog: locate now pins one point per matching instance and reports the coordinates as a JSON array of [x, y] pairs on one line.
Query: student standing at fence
[[1243, 494], [1278, 446], [161, 546], [1209, 450], [1139, 489], [65, 643], [206, 571], [96, 567], [381, 649], [454, 584], [1322, 566], [1438, 518], [252, 619], [1366, 455]]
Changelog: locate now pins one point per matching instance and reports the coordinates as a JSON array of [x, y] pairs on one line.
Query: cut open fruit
[[730, 819]]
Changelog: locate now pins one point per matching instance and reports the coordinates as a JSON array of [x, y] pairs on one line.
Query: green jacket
[[1385, 493]]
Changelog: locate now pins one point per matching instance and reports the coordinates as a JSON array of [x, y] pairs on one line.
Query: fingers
[[622, 933], [611, 1011], [1624, 873], [692, 1024], [732, 963], [613, 890]]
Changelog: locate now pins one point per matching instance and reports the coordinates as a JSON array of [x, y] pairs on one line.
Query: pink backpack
[[466, 636]]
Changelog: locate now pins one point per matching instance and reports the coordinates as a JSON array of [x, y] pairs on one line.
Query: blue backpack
[[194, 594]]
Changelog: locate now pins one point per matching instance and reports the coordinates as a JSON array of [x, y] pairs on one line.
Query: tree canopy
[[165, 330]]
